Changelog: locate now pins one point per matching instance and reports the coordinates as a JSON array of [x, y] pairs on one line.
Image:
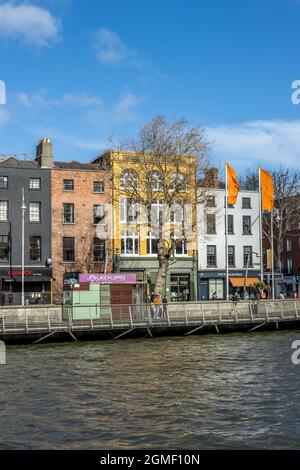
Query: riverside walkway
[[85, 322]]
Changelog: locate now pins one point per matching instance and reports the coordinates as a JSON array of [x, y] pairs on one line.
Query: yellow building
[[153, 195]]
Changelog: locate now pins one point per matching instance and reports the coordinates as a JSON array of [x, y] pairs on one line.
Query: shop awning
[[242, 281]]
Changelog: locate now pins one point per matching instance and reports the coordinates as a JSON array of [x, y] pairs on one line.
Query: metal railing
[[33, 319]]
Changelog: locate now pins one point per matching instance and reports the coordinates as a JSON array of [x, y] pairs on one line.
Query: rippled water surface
[[230, 391]]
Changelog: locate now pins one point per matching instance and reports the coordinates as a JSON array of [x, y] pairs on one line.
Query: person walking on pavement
[[165, 307], [157, 306]]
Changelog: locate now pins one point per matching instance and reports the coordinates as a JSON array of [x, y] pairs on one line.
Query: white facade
[[243, 238]]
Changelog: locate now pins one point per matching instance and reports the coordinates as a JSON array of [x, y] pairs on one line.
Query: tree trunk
[[161, 277]]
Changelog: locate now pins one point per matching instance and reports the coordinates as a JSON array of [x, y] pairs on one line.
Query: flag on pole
[[267, 190], [233, 185]]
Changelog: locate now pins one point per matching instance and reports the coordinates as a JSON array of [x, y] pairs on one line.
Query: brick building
[[80, 221]]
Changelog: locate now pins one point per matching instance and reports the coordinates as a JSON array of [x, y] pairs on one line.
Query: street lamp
[[23, 208]]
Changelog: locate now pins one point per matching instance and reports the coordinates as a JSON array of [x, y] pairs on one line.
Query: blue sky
[[80, 72]]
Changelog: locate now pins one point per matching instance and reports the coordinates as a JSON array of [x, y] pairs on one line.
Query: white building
[[243, 243]]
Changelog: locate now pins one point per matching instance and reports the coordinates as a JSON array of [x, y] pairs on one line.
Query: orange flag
[[232, 184], [267, 190]]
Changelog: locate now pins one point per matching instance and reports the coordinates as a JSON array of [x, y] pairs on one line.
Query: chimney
[[44, 155], [212, 177]]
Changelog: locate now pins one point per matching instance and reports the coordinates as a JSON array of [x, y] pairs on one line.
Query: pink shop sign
[[116, 278]]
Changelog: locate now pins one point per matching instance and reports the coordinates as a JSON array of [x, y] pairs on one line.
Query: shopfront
[[212, 284], [37, 285], [179, 287]]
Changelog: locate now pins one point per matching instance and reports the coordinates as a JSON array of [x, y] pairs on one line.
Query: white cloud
[[125, 107], [4, 116], [41, 100], [258, 142], [111, 49], [28, 23]]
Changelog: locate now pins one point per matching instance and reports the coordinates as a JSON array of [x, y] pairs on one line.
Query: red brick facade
[[81, 229]]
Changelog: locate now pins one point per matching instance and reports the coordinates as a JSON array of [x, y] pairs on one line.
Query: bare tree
[[162, 164], [286, 207]]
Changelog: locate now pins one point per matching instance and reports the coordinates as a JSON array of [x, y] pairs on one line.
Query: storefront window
[[180, 287]]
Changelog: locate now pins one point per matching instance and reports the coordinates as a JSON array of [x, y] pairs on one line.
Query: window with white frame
[[180, 245], [178, 183], [129, 242], [152, 244], [231, 256], [129, 179], [35, 212], [3, 182], [3, 211], [248, 257], [129, 211], [289, 265], [211, 256], [99, 213], [35, 183], [68, 213], [154, 181]]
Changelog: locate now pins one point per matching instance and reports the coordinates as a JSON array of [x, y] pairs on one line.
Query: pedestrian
[[165, 307], [214, 296], [235, 297], [281, 296], [149, 307], [157, 305]]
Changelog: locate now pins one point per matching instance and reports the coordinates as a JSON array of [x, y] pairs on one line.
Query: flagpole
[[272, 249], [226, 233], [260, 230]]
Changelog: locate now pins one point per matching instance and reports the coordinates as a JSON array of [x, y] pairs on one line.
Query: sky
[[82, 72]]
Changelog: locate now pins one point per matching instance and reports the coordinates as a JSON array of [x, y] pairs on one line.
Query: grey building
[[35, 178]]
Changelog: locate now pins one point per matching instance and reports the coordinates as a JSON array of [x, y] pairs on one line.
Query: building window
[[129, 242], [211, 223], [210, 201], [4, 248], [246, 203], [246, 225], [128, 211], [35, 212], [231, 256], [129, 179], [68, 249], [211, 256], [99, 213], [230, 224], [152, 244], [3, 182], [289, 245], [35, 248], [248, 257], [178, 183], [35, 183], [99, 250], [154, 181], [98, 187], [3, 211], [68, 185], [289, 265], [68, 213]]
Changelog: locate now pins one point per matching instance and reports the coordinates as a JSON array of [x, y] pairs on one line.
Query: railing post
[[219, 313], [91, 317], [48, 316], [251, 311], [149, 313], [168, 316], [203, 315], [70, 317], [26, 320], [3, 322], [111, 317], [130, 314], [267, 313], [296, 310], [185, 314], [236, 313], [281, 310]]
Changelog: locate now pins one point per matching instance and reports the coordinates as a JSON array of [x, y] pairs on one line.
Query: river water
[[216, 392]]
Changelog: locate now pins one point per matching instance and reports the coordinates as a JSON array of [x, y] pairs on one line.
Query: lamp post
[[23, 208]]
